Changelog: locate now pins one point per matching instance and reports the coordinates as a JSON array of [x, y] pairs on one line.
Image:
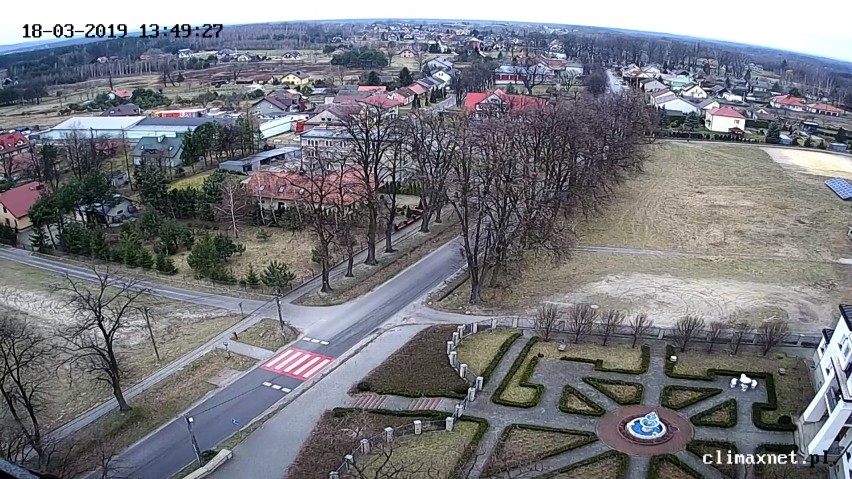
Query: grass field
[[762, 234], [194, 181], [478, 350]]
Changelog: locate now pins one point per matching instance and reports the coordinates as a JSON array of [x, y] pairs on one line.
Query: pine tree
[[98, 245], [405, 77], [38, 240], [773, 134], [164, 264], [144, 259], [251, 279], [277, 275]]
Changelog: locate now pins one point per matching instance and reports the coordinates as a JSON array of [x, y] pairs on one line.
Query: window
[[262, 187], [281, 189]]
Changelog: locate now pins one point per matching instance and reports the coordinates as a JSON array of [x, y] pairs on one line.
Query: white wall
[[723, 123]]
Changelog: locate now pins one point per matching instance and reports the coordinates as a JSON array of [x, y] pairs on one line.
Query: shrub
[[667, 396], [657, 462], [621, 473], [525, 375], [706, 418], [504, 348], [594, 409], [614, 389], [598, 363], [363, 386]]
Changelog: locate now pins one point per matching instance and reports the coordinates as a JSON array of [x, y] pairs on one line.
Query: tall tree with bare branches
[[740, 330], [686, 329], [715, 333], [431, 146], [610, 322], [546, 320], [639, 325], [103, 310], [771, 333], [581, 319], [236, 203]]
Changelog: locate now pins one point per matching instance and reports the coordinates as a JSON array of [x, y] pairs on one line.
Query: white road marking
[[316, 368], [286, 390], [267, 384], [306, 339], [278, 358], [324, 343], [291, 358], [296, 363], [306, 365], [315, 340], [275, 386]]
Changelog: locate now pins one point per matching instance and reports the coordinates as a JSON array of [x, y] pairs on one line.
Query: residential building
[[709, 104], [278, 104], [676, 104], [123, 94], [515, 74], [497, 101], [372, 88], [162, 151], [650, 85], [443, 75], [15, 205], [824, 109], [291, 55], [128, 109], [15, 156], [732, 97], [111, 213], [788, 102], [725, 120], [439, 63], [823, 427], [277, 190], [184, 53], [296, 78], [408, 53], [332, 115], [693, 92]]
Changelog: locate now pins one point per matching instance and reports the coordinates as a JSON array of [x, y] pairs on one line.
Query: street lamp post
[[189, 421]]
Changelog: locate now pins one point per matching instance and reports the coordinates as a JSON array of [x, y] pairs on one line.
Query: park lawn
[[613, 357], [194, 181], [609, 465], [158, 405], [419, 368], [521, 445], [793, 389], [429, 455], [266, 334], [480, 349], [670, 470], [700, 448], [678, 397]]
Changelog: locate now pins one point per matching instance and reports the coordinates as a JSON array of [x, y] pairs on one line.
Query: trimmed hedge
[[600, 384], [523, 381], [703, 393], [757, 408], [504, 348], [596, 409], [657, 464], [699, 448], [598, 363], [623, 458], [703, 418], [472, 446], [589, 437]]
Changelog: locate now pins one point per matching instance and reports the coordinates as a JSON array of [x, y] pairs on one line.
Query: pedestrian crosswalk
[[297, 363]]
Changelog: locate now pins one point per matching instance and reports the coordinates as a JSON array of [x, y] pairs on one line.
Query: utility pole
[[241, 308], [195, 447], [280, 317], [151, 332]]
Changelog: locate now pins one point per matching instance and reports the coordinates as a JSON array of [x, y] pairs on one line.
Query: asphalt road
[[169, 449]]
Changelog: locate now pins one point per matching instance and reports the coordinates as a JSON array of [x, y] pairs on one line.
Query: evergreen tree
[[39, 239], [164, 264], [251, 279], [433, 97], [278, 276], [144, 258], [773, 133], [153, 187], [373, 79], [98, 245], [405, 77], [842, 136], [692, 122]]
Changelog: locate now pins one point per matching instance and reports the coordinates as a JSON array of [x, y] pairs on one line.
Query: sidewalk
[[269, 451], [246, 350]]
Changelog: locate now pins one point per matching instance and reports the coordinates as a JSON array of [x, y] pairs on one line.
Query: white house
[[724, 119], [678, 104], [709, 104], [833, 361], [694, 92], [732, 97], [442, 76], [651, 85]]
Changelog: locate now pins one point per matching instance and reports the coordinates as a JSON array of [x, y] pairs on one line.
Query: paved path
[[246, 349]]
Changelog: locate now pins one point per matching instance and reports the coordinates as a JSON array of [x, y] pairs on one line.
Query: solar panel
[[841, 187]]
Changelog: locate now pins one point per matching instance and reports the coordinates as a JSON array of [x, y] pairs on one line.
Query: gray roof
[[326, 134], [185, 122], [167, 146], [128, 109]]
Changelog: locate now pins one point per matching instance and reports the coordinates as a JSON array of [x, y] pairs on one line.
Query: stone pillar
[[449, 424], [475, 327], [480, 382], [365, 446], [471, 394], [515, 322], [389, 434], [418, 427], [456, 338], [459, 410], [493, 323], [453, 358], [450, 346], [463, 370], [348, 459], [333, 475], [460, 330]]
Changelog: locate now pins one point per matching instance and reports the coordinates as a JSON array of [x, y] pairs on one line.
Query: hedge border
[[590, 437], [504, 348], [706, 393], [598, 384], [657, 461], [645, 363], [699, 418], [692, 445], [757, 408], [622, 467], [597, 409], [496, 398]]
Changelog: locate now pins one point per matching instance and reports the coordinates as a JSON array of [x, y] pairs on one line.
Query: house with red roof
[[372, 88], [788, 102], [498, 100], [15, 156], [388, 103], [724, 120], [278, 190], [15, 205], [825, 109]]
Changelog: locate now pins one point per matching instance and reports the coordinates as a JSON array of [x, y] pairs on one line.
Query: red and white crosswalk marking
[[297, 363]]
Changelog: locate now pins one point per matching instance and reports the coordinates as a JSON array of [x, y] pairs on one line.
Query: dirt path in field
[[812, 162]]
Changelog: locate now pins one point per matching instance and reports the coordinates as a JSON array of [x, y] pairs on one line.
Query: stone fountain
[[647, 427]]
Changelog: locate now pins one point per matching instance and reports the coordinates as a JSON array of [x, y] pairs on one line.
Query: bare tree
[[740, 329], [772, 332], [393, 165], [23, 375], [431, 147], [610, 323], [639, 325], [716, 331], [686, 329], [581, 319], [236, 203], [102, 312], [546, 319]]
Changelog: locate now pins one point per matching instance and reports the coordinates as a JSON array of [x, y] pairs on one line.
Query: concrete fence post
[[456, 338], [389, 434], [515, 322], [463, 370], [461, 331], [450, 346], [799, 341], [418, 427], [365, 446], [471, 394], [348, 459], [475, 328], [453, 358], [449, 424], [661, 334], [493, 323], [459, 410], [480, 382], [333, 475]]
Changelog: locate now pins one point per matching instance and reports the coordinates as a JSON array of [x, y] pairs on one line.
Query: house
[[123, 94], [128, 109], [277, 190], [15, 205], [675, 104], [824, 109], [332, 115], [650, 85], [760, 86], [822, 429], [372, 88], [659, 96], [386, 102], [111, 213], [694, 92], [443, 76], [278, 104], [296, 78], [291, 55], [408, 53], [406, 94], [724, 120], [732, 97], [676, 83], [418, 89], [162, 151], [15, 156], [788, 102], [514, 74], [184, 53], [244, 57], [709, 104], [439, 63], [497, 100], [347, 96]]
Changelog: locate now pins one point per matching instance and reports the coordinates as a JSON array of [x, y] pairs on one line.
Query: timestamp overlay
[[121, 30]]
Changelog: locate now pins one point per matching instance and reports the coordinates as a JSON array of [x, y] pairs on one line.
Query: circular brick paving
[[609, 430]]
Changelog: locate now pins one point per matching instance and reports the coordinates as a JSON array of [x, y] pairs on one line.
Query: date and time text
[[121, 30]]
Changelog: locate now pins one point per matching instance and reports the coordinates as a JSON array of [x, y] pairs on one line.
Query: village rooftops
[[20, 199], [727, 112]]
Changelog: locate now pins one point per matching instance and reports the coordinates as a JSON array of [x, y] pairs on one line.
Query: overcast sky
[[775, 24]]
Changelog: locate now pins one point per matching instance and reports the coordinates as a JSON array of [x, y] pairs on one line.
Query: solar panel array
[[841, 187]]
